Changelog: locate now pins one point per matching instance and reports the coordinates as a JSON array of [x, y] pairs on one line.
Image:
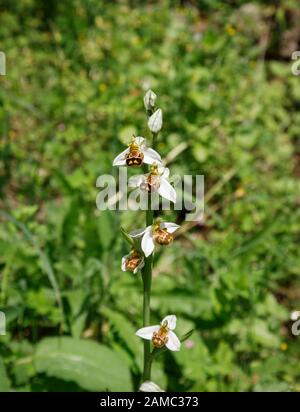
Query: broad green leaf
[[91, 365], [125, 330]]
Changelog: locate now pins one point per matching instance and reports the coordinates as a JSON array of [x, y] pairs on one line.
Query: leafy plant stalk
[[147, 280]]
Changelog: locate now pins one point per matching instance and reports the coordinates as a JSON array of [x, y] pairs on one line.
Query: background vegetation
[[72, 96]]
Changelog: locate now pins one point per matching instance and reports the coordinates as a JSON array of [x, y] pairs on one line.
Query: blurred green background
[[72, 97]]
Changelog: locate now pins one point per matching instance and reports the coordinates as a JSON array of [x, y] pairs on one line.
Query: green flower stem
[[147, 280]]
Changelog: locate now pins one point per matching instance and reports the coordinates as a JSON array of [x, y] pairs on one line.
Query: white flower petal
[[136, 180], [155, 121], [151, 156], [147, 243], [120, 160], [171, 319], [171, 227], [147, 332], [140, 140], [164, 172], [173, 342], [138, 232], [140, 266], [166, 190], [149, 386], [123, 267]]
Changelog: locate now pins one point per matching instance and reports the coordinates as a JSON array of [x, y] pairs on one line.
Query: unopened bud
[[149, 100], [155, 121]]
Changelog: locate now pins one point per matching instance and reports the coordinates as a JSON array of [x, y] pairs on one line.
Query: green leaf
[[258, 237], [106, 228], [76, 298], [127, 237], [195, 360], [4, 383], [91, 365], [124, 329], [262, 335], [187, 335], [45, 262]]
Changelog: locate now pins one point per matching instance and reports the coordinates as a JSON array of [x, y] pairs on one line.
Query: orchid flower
[[137, 153], [162, 335], [155, 181], [159, 232], [133, 262]]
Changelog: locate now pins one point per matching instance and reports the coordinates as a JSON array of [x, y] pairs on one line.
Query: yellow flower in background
[[240, 192], [283, 346], [231, 31], [102, 87]]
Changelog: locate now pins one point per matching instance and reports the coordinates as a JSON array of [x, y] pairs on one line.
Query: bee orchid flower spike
[[137, 153], [162, 335], [154, 180], [160, 233]]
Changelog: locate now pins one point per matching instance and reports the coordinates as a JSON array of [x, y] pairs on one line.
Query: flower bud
[[155, 121], [149, 100]]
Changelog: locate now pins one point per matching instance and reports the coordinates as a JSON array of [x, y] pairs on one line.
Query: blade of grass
[[46, 265]]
